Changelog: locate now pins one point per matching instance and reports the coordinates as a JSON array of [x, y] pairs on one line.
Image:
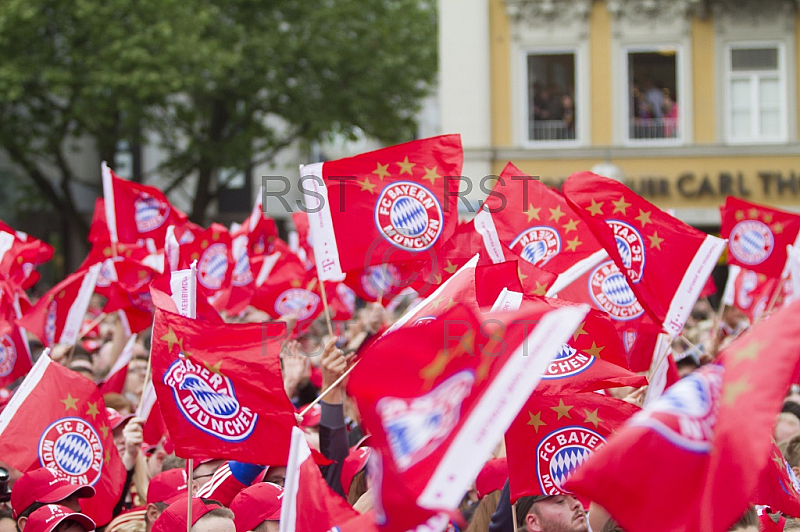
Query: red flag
[[161, 294], [212, 251], [778, 486], [136, 212], [436, 421], [692, 440], [220, 388], [758, 235], [57, 419], [115, 380], [710, 288], [309, 504], [305, 248], [58, 315], [748, 291], [395, 204], [242, 279], [19, 258], [15, 355], [554, 434], [666, 261], [289, 290]]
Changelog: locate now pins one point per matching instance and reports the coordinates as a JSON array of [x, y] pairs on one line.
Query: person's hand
[[333, 364], [133, 435], [295, 367], [636, 397]]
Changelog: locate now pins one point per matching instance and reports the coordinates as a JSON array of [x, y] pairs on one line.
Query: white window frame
[[681, 86], [753, 75], [580, 98]]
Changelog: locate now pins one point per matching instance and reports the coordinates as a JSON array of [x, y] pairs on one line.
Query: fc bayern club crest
[[242, 274], [560, 452], [8, 355], [687, 412], [72, 448], [744, 297], [610, 292], [298, 301], [149, 212], [208, 401], [409, 216], [379, 280], [416, 427], [751, 242], [347, 296], [537, 245], [568, 362], [631, 248], [50, 324], [213, 266], [107, 275]]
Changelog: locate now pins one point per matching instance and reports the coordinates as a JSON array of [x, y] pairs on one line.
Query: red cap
[[115, 419], [312, 417], [43, 485], [174, 517], [256, 504], [354, 463], [48, 517], [167, 487], [492, 477]]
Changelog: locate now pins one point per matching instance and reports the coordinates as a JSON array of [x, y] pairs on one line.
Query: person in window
[[670, 111], [568, 117]]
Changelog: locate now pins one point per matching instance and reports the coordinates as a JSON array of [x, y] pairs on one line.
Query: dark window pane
[[754, 59], [551, 97], [653, 102]]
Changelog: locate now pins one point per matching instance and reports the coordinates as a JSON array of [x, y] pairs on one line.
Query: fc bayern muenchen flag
[[748, 291], [692, 439], [450, 399], [58, 315], [220, 388], [390, 205], [758, 235], [778, 486], [666, 261], [554, 434], [57, 419]]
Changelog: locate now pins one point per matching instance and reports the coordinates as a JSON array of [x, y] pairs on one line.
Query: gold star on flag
[[204, 244], [535, 421], [171, 338], [571, 225], [750, 352], [643, 218], [777, 228], [104, 430], [214, 368], [438, 278], [532, 212], [367, 185], [540, 290], [521, 275], [450, 304], [62, 294], [92, 410], [739, 215], [429, 373], [621, 206], [450, 268], [436, 302], [655, 241], [778, 460], [733, 390], [556, 214], [405, 166], [70, 403], [295, 283], [752, 213], [107, 252], [483, 369], [594, 350], [381, 171], [579, 331], [768, 217], [592, 417], [595, 208], [573, 244], [107, 456], [195, 256], [431, 175], [562, 409], [215, 236]]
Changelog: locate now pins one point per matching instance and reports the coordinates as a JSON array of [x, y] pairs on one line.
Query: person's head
[[792, 453], [81, 362], [787, 426], [57, 518], [117, 423], [164, 489], [747, 523], [258, 507], [118, 402], [551, 513], [207, 516], [42, 486], [204, 471], [275, 475], [134, 380]]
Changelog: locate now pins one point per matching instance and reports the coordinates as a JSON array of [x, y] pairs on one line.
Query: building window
[[551, 97], [756, 94], [653, 99]]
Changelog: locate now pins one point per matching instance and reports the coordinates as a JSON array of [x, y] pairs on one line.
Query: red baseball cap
[[256, 504], [43, 485], [115, 419], [492, 477], [352, 465], [48, 517], [167, 487], [174, 517]]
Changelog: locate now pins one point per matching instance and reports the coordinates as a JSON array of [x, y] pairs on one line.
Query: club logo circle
[[72, 448], [568, 362], [610, 292], [213, 266], [631, 248], [409, 216], [560, 452], [297, 301], [8, 355], [149, 212], [751, 242], [537, 245]]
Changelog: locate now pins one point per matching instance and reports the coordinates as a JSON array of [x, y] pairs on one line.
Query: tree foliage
[[223, 83]]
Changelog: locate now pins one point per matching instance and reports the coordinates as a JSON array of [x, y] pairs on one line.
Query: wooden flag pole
[[91, 326], [336, 383], [514, 516], [325, 304], [189, 475]]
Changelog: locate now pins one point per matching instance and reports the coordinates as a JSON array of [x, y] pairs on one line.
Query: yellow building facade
[[688, 101]]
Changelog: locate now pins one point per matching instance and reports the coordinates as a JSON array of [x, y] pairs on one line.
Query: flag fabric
[[748, 291], [220, 388], [666, 261], [692, 440], [115, 380], [19, 258], [212, 251], [58, 315], [64, 414], [778, 486], [242, 279], [390, 205], [758, 235], [438, 418], [554, 434], [309, 504], [305, 248], [135, 212]]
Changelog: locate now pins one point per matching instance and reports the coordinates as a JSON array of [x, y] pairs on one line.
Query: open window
[[653, 100], [552, 114]]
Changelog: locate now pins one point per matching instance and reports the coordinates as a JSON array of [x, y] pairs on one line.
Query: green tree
[[224, 83]]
